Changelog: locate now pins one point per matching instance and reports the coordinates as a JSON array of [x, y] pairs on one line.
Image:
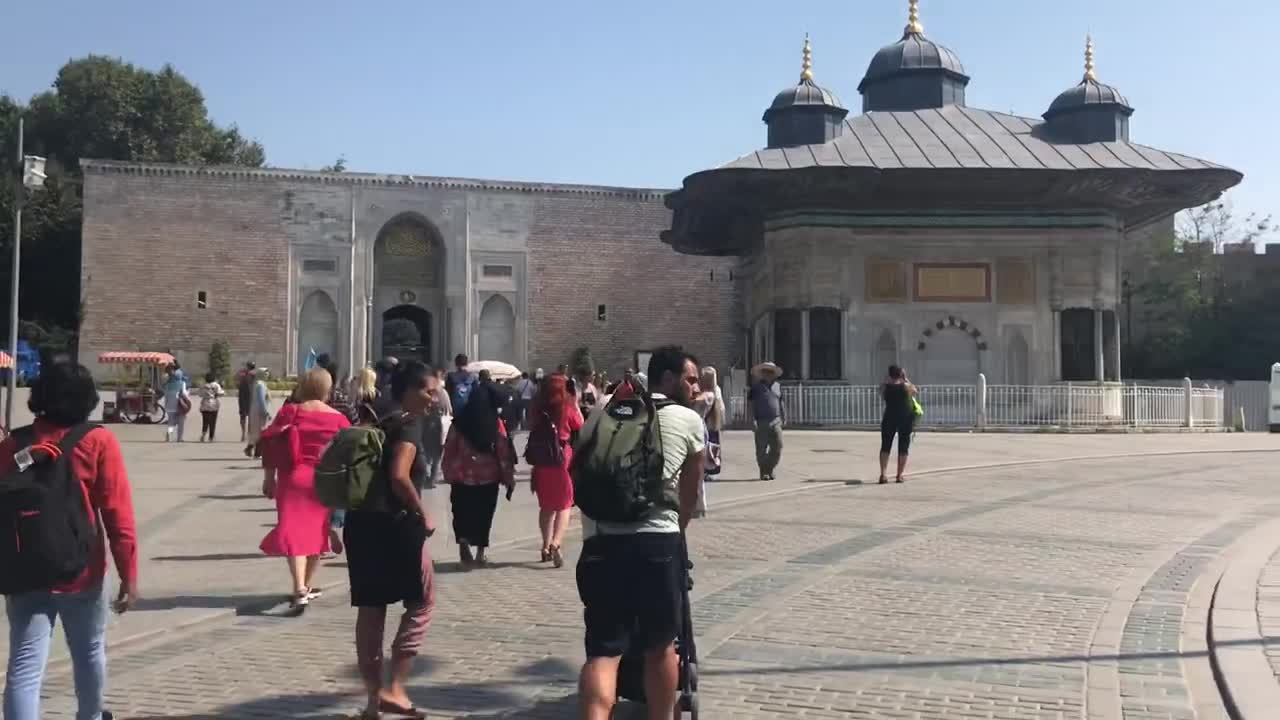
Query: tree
[[581, 364], [1199, 321], [339, 165], [220, 360], [102, 108]]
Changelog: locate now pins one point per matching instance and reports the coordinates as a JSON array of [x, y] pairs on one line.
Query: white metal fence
[[1065, 405]]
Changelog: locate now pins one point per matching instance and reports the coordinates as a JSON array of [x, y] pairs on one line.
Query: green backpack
[[349, 467], [617, 469]]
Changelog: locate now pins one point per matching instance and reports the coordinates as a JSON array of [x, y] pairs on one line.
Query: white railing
[[1003, 406]]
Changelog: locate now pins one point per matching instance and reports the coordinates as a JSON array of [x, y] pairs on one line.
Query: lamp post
[[32, 178]]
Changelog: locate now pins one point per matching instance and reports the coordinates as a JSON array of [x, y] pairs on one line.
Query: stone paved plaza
[[1013, 576]]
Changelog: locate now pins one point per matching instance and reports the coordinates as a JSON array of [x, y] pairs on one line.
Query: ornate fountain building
[[923, 232]]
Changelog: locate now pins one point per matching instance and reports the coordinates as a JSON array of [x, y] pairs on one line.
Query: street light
[[33, 178]]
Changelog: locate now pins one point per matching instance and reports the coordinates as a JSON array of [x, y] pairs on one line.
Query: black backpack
[[46, 527], [617, 469], [544, 448]]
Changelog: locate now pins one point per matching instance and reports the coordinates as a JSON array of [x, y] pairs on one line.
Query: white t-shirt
[[682, 436]]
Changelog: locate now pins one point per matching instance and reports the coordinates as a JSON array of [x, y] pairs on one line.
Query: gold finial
[[913, 19], [806, 68], [1088, 59]]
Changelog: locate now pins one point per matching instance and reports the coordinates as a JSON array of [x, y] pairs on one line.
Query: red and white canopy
[[136, 358]]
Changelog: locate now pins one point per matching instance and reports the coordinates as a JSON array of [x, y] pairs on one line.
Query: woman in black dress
[[899, 419], [387, 555]]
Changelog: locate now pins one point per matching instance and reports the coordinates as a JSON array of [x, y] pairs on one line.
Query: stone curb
[[1245, 678], [575, 527]]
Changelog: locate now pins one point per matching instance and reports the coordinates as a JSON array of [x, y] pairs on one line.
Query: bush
[[580, 363], [220, 361]]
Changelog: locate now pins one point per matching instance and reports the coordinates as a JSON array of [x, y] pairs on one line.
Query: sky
[[643, 94]]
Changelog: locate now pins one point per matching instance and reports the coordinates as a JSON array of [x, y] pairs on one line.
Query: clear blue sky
[[643, 94]]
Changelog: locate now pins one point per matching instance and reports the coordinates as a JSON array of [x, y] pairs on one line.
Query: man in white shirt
[[631, 575]]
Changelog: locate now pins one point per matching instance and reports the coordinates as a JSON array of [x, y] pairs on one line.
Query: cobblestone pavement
[[1269, 611], [978, 593]]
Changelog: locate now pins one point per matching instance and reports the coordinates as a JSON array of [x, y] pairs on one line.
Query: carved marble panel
[[886, 281], [1015, 281], [952, 282]]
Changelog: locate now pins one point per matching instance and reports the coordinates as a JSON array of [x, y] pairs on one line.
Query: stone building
[[927, 233], [280, 262], [921, 231]]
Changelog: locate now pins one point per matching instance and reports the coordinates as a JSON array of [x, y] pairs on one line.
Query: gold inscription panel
[[886, 281], [1015, 282], [953, 282]]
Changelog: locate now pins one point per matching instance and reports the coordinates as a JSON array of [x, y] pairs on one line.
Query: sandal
[[409, 712], [900, 479], [884, 480], [546, 555], [557, 558]]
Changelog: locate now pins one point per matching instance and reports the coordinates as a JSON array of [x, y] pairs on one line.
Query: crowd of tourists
[[346, 464]]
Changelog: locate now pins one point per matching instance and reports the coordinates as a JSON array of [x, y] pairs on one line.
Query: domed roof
[[914, 52], [805, 93], [1089, 92]]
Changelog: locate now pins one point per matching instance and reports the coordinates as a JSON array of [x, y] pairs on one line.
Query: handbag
[[184, 403], [916, 408], [280, 446]]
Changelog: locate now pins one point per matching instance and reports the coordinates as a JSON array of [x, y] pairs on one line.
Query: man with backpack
[[64, 500], [459, 383], [637, 491]]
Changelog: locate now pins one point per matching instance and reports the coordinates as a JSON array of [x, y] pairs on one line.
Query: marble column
[[804, 344], [1115, 347], [1056, 344], [1099, 358]]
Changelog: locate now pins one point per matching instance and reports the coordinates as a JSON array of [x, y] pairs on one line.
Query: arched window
[[1016, 360], [826, 356], [884, 354], [317, 327], [788, 342], [497, 330]]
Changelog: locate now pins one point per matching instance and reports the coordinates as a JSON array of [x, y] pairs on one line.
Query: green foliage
[[220, 360], [1200, 323], [51, 342], [581, 364], [102, 108], [339, 165]]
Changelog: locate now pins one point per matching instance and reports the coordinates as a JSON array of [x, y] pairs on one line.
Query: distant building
[[921, 232]]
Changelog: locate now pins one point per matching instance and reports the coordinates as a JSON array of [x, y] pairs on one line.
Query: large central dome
[[914, 73]]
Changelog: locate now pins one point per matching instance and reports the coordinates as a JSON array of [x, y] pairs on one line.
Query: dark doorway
[[406, 333], [1079, 354]]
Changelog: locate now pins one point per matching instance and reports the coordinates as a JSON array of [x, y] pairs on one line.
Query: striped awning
[[136, 358], [6, 360]]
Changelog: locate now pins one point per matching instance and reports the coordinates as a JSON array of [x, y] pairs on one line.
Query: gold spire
[[1088, 59], [806, 67], [913, 19]]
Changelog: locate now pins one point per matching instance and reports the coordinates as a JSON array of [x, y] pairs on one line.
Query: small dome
[[912, 53], [806, 92], [1089, 92]]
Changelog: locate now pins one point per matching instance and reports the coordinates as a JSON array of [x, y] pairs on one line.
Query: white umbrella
[[499, 371]]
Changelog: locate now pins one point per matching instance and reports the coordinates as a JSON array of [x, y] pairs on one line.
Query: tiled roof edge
[[106, 167]]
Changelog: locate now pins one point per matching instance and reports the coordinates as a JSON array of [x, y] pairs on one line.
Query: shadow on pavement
[[248, 496], [489, 700], [214, 556], [242, 604]]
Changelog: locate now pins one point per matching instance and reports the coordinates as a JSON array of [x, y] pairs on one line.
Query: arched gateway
[[408, 292]]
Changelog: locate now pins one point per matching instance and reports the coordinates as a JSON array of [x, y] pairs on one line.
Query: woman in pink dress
[[291, 449], [551, 483]]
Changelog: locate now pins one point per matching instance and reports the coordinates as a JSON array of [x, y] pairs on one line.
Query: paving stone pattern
[[957, 596]]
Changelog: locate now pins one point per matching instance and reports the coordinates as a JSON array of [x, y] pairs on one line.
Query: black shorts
[[631, 588], [902, 426]]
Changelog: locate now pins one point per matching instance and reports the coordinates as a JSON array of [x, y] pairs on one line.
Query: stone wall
[[156, 236], [152, 243], [585, 252]]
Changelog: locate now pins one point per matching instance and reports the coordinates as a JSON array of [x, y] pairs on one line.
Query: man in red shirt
[[62, 398]]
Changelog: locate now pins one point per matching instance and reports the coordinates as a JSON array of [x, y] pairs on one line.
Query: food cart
[[137, 383]]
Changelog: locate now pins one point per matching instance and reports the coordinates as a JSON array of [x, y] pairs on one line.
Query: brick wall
[[152, 242], [586, 251]]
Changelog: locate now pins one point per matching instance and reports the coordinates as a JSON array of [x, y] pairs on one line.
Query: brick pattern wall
[[151, 243], [586, 251]]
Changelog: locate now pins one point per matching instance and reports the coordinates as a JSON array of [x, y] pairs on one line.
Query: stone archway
[[952, 352], [408, 294], [497, 330], [1017, 360], [406, 333], [317, 327]]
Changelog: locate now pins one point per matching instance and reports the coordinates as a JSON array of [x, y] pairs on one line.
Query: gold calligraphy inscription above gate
[[886, 281], [953, 282], [408, 241], [1015, 282]]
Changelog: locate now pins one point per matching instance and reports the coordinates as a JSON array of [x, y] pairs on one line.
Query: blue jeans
[[31, 620]]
